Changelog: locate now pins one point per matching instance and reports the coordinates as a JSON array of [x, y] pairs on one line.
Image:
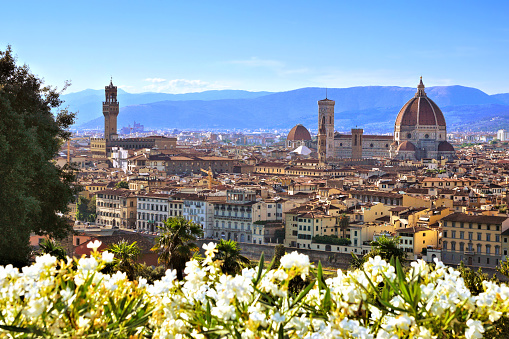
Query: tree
[[279, 252], [48, 246], [34, 191], [125, 257], [175, 243], [228, 254], [386, 248], [344, 223], [122, 184], [86, 209]]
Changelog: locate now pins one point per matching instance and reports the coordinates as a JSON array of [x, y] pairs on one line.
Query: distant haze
[[373, 108]]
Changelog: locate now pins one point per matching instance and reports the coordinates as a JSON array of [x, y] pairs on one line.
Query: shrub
[[380, 300]]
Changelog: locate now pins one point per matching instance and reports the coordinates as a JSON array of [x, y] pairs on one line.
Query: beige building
[[474, 239]]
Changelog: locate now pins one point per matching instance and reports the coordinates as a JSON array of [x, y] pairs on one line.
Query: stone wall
[[254, 251]]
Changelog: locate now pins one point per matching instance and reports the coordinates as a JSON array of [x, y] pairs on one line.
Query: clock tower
[[326, 122], [110, 112]]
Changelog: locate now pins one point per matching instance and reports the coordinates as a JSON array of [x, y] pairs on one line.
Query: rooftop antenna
[[325, 92]]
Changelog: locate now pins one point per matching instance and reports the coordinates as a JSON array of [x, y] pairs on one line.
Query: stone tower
[[326, 120], [322, 142], [110, 112], [357, 143]]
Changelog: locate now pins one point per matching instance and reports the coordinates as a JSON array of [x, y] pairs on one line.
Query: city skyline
[[264, 46]]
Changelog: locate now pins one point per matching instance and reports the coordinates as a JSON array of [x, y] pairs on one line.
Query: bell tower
[[322, 143], [110, 112], [326, 120]]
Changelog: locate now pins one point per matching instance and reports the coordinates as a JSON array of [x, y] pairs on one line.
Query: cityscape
[[255, 171]]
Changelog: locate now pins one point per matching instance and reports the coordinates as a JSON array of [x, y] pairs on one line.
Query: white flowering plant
[[381, 300]]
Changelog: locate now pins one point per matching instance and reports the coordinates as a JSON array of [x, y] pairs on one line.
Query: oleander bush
[[54, 299]]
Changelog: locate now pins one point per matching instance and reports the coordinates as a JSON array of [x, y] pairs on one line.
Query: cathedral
[[419, 132]]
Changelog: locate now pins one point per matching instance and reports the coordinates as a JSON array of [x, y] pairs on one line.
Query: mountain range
[[373, 108]]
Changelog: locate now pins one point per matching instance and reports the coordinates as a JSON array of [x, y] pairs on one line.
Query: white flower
[[474, 330], [66, 294], [298, 261], [278, 318], [210, 249], [94, 245], [35, 307], [108, 257]]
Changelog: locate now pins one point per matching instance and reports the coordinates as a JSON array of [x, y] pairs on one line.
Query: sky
[[191, 46]]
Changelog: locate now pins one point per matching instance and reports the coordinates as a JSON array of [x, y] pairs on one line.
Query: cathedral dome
[[444, 146], [420, 110], [298, 132], [406, 146]]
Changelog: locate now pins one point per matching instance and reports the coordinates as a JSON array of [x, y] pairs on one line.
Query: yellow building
[[474, 239]]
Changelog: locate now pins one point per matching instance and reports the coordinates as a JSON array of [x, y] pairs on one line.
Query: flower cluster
[[381, 300]]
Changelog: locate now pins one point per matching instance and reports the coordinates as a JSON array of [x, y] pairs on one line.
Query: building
[[419, 132], [101, 148], [233, 215], [298, 136], [474, 240], [502, 135], [153, 210]]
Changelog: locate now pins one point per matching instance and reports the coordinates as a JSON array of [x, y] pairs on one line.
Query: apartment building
[[153, 210], [233, 215], [475, 240], [109, 207]]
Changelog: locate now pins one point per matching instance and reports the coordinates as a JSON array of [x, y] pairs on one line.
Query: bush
[[331, 240], [380, 300]]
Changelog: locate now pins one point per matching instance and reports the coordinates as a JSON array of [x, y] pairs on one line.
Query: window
[[453, 234], [479, 236], [488, 237], [488, 249], [445, 234], [453, 246], [462, 235], [462, 246], [470, 235]]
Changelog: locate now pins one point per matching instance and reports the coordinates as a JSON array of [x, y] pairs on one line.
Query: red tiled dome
[[406, 146], [444, 146], [298, 132], [420, 110]]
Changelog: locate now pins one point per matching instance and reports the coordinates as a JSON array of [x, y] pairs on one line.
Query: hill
[[373, 108]]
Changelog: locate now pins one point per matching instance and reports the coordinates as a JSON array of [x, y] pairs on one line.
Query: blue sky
[[187, 46]]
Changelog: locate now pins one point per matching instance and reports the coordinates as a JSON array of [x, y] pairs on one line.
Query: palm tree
[[344, 222], [125, 257], [48, 246], [232, 262], [387, 248], [175, 243]]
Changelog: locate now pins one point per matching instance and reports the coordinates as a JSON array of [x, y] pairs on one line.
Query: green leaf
[[302, 294]]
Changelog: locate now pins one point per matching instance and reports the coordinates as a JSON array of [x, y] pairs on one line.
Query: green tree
[[48, 246], [122, 184], [34, 191], [279, 252], [126, 255], [228, 254], [175, 243], [386, 248], [344, 223], [86, 209]]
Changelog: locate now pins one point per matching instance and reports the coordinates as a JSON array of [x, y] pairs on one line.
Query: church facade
[[419, 132]]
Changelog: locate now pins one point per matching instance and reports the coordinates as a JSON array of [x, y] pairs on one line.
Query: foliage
[[386, 248], [344, 223], [86, 209], [51, 247], [34, 191], [229, 257], [71, 299], [279, 252], [175, 243], [504, 267], [380, 300], [122, 184], [126, 255], [150, 273], [332, 240]]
